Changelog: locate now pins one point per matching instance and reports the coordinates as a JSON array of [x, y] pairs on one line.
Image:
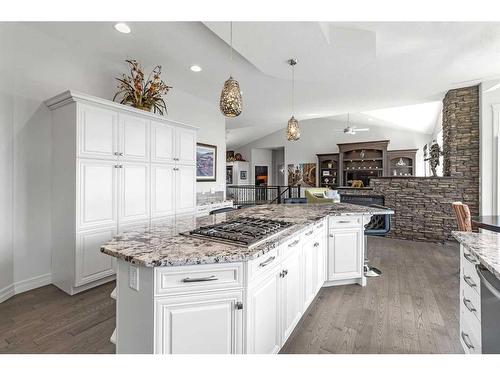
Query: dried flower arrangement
[[140, 94]]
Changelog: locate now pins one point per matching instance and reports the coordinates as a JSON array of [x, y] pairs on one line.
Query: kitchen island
[[177, 293], [479, 291]]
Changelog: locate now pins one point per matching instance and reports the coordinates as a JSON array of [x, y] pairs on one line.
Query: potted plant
[[145, 95]]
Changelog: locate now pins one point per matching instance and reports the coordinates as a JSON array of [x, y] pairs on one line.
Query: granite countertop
[[485, 246], [214, 202], [160, 243]]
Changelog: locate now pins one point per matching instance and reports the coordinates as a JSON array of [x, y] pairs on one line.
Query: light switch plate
[[133, 277]]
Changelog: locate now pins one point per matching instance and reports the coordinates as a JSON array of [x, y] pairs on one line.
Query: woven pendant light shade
[[231, 103], [293, 130]]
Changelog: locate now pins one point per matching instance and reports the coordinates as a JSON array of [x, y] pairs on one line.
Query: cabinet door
[[97, 132], [162, 190], [134, 138], [133, 192], [263, 328], [185, 146], [310, 263], [292, 295], [205, 324], [96, 192], [162, 143], [344, 254], [90, 263], [320, 245], [185, 188]]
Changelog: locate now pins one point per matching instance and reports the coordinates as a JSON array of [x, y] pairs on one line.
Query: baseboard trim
[[24, 286], [6, 292]]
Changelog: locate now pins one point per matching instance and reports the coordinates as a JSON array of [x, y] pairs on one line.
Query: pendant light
[[292, 129], [230, 98]]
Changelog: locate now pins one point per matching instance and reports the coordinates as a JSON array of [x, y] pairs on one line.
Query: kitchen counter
[[485, 246], [161, 244]]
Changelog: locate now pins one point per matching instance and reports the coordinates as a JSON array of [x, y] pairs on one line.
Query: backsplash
[[209, 197]]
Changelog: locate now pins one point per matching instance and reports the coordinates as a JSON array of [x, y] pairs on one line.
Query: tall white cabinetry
[[113, 167]]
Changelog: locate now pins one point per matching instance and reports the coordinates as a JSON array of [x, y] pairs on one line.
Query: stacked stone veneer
[[423, 204]]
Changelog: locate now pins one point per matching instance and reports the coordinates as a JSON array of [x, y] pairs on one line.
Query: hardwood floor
[[47, 320], [412, 308]]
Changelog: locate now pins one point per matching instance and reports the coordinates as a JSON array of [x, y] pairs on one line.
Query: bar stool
[[462, 213], [379, 225]]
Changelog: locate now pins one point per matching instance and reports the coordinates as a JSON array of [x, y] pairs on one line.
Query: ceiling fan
[[351, 130]]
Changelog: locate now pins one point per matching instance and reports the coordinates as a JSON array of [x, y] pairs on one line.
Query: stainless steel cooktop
[[246, 231]]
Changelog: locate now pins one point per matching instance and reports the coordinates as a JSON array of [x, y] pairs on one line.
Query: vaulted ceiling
[[343, 67]]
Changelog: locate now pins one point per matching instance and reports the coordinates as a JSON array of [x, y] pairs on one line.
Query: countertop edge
[[295, 229]]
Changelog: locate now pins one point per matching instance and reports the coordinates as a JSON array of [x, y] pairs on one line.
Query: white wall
[[35, 67], [488, 132], [318, 137]]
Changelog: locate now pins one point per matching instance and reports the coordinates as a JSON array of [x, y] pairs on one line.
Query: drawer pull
[[469, 305], [469, 282], [467, 341], [316, 244], [293, 243], [344, 221], [469, 258], [268, 261], [320, 226], [309, 233], [199, 279]]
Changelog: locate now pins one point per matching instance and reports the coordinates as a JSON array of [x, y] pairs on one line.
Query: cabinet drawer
[[471, 301], [262, 264], [470, 278], [186, 279], [470, 332], [345, 222], [291, 246]]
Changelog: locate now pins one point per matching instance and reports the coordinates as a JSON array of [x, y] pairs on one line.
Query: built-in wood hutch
[[362, 161]]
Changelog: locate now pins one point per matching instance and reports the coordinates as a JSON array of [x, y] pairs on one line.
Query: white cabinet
[[263, 315], [205, 324], [163, 143], [133, 138], [312, 263], [185, 190], [105, 181], [97, 132], [91, 264], [345, 254], [162, 190], [172, 145], [97, 193], [133, 192], [291, 295], [185, 146]]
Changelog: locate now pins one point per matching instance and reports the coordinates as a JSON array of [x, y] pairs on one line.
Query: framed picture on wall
[[206, 162], [243, 175]]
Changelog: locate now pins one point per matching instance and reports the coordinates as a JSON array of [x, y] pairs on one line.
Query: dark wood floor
[[412, 308]]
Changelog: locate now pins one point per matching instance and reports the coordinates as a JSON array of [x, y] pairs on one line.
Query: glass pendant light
[[292, 129], [231, 102]]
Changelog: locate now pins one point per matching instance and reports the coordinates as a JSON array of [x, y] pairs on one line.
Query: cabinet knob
[[316, 244], [239, 305], [119, 153]]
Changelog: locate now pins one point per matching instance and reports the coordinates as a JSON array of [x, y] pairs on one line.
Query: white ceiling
[[343, 67]]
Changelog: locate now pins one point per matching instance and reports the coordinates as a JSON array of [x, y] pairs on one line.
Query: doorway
[[261, 176]]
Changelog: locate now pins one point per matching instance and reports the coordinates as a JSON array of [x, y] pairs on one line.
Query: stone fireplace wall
[[423, 204]]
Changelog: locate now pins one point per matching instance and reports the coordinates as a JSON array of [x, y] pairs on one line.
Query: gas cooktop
[[246, 231]]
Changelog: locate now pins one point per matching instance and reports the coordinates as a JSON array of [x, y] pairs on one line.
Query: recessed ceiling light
[[195, 68], [122, 27], [370, 119]]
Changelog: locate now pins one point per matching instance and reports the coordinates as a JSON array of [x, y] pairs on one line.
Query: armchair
[[317, 195]]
